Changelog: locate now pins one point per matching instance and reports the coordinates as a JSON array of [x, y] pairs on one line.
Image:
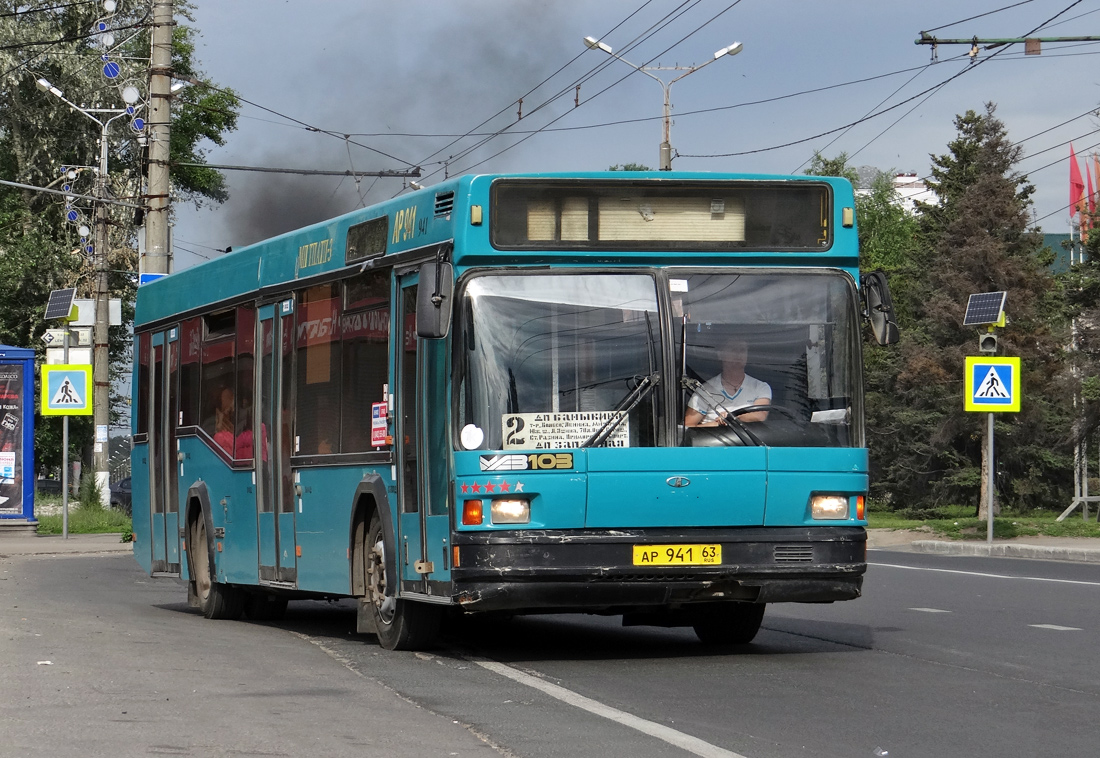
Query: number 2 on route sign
[[992, 384]]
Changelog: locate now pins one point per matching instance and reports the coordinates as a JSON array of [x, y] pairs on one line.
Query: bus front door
[[422, 444], [163, 467], [272, 446]]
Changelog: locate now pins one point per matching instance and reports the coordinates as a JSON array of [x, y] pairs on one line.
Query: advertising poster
[[11, 438]]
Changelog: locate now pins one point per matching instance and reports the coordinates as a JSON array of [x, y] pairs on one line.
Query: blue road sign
[[66, 390], [992, 384]]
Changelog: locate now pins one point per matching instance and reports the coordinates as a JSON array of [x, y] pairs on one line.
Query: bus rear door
[[163, 466]]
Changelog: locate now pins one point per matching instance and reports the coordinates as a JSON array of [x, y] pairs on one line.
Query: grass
[[89, 518], [959, 522]]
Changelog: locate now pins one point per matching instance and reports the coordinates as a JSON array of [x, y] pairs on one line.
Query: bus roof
[[414, 220]]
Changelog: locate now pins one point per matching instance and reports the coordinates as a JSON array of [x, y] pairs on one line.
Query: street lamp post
[[666, 144], [101, 396]]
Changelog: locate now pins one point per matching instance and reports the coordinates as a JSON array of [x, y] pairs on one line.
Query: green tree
[[629, 167], [40, 249], [976, 238], [925, 451]]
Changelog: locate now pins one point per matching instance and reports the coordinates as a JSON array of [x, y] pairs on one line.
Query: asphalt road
[[942, 657]]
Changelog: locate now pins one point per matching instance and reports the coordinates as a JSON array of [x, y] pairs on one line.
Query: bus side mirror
[[433, 300], [878, 308]]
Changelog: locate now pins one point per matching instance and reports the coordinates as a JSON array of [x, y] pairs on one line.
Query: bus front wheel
[[399, 624], [729, 623], [217, 601]]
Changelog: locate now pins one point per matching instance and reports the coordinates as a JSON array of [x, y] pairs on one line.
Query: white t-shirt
[[711, 397]]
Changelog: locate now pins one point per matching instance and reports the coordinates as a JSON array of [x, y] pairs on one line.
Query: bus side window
[[217, 380], [190, 398], [317, 415], [365, 334], [144, 341]]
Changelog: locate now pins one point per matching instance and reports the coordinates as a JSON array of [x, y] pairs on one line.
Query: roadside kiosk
[[16, 438]]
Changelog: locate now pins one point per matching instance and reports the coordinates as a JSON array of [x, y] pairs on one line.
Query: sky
[[405, 81]]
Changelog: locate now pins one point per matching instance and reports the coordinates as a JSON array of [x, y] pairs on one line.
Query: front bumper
[[592, 570]]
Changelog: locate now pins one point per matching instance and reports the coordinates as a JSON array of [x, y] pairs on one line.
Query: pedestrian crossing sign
[[66, 390], [992, 384]]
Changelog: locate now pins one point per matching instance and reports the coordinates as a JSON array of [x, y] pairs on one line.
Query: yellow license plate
[[677, 555]]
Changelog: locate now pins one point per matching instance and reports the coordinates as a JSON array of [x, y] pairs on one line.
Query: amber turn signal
[[472, 513]]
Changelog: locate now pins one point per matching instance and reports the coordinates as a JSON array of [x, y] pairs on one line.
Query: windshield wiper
[[620, 412]]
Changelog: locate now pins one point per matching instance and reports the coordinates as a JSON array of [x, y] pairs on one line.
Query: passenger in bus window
[[730, 390], [221, 424]]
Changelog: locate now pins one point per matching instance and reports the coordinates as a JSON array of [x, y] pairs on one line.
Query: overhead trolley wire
[[980, 15], [605, 89], [929, 91], [533, 89], [45, 10], [676, 12]]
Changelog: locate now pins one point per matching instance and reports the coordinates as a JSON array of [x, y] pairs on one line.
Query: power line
[[44, 10], [303, 171], [980, 15], [676, 12], [605, 89], [307, 126], [533, 89], [39, 43]]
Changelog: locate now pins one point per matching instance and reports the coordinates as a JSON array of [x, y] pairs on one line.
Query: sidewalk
[[1076, 549], [55, 544]]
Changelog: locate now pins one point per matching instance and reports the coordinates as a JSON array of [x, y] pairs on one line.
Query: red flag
[[1076, 184], [1088, 179], [1096, 171]]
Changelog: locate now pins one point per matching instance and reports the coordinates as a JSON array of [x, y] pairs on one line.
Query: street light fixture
[[666, 146], [101, 394]]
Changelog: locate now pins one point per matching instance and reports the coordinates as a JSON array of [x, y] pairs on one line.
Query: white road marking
[[693, 745], [930, 610], [1057, 628], [988, 576]]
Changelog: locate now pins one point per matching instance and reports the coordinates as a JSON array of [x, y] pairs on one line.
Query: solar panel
[[60, 304], [984, 308]]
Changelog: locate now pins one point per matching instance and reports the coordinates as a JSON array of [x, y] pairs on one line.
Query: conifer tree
[[976, 238]]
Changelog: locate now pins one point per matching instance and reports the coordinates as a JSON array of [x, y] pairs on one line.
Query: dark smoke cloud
[[451, 74]]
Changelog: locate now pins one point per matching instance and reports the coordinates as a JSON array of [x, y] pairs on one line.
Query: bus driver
[[730, 390]]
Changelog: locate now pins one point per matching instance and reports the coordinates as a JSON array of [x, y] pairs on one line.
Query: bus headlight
[[829, 506], [510, 511]]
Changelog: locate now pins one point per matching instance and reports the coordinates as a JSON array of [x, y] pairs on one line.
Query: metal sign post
[[65, 449], [992, 386]]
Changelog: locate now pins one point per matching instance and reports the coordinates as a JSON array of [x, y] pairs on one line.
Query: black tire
[[216, 601], [399, 624], [729, 623], [259, 606]]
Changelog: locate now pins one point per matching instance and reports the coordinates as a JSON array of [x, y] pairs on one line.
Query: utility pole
[[101, 371], [1032, 45], [157, 257]]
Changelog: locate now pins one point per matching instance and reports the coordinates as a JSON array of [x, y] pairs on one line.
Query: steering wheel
[[755, 408]]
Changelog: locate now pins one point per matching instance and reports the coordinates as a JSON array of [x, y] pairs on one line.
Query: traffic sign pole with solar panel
[[988, 309], [60, 306]]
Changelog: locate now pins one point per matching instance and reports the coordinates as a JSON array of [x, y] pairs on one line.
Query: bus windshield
[[550, 357], [550, 360]]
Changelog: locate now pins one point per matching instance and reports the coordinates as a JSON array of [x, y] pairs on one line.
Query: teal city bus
[[498, 396]]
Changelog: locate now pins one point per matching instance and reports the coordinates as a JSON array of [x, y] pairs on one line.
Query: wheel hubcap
[[377, 584]]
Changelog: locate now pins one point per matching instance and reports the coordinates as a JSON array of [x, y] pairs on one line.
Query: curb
[[1007, 550]]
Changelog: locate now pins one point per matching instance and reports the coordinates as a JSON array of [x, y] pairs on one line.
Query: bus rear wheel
[[399, 624], [217, 601], [729, 623]]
